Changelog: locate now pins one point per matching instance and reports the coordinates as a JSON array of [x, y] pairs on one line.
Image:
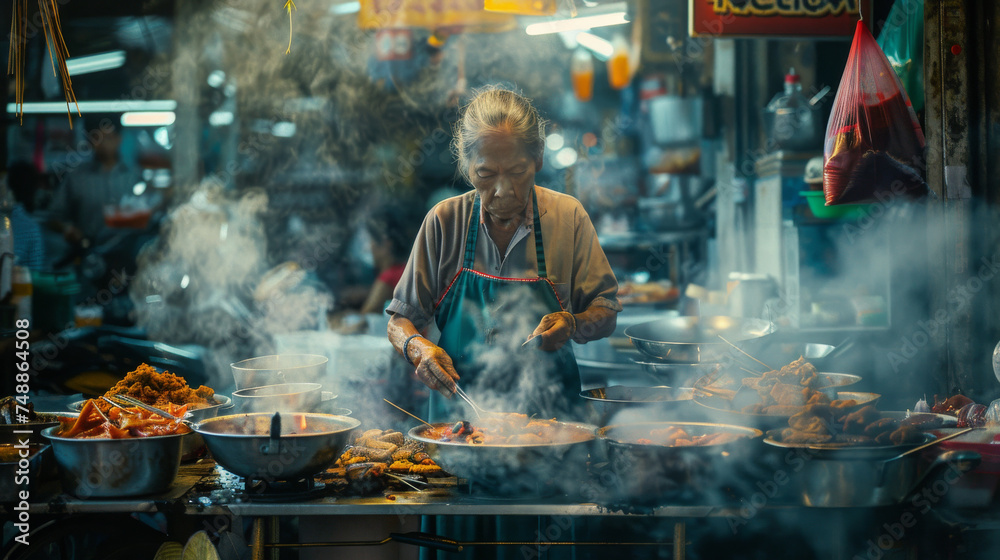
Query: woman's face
[[503, 172]]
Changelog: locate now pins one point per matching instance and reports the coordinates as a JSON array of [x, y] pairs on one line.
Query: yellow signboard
[[469, 15]]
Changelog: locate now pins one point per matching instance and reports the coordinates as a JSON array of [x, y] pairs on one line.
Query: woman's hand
[[555, 329], [435, 369]]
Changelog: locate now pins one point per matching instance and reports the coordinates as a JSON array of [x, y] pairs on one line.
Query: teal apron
[[469, 315]]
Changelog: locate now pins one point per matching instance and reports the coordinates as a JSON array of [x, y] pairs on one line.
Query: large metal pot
[[841, 475], [515, 469], [691, 340], [650, 474], [116, 468], [304, 444], [279, 368]]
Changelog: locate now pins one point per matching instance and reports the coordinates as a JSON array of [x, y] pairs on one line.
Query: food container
[[279, 368], [303, 445], [116, 468], [651, 474], [43, 420], [14, 479], [284, 397], [648, 402], [515, 469]]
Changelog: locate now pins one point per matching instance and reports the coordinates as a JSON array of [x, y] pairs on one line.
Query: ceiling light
[[148, 118], [221, 118], [600, 47], [574, 24], [283, 129], [554, 141], [345, 8], [122, 106], [95, 63]]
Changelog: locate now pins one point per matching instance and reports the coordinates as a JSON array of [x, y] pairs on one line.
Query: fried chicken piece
[[160, 389], [857, 421], [789, 395], [906, 434], [788, 435], [880, 426]]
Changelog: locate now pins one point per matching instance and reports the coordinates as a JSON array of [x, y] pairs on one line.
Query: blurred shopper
[[78, 208], [391, 235]]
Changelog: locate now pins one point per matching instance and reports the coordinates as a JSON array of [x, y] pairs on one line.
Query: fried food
[[159, 389], [120, 423], [831, 424]]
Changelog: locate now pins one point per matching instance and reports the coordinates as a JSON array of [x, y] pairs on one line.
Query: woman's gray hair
[[495, 109]]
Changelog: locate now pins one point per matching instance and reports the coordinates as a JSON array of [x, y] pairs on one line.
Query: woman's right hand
[[435, 368]]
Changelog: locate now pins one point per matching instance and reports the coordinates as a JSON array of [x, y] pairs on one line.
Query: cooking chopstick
[[407, 413], [461, 393], [769, 368]]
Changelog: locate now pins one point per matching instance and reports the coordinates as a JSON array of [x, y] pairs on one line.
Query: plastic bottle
[[619, 68], [581, 71], [789, 118]]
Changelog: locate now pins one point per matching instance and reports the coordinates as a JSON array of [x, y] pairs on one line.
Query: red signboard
[[774, 18]]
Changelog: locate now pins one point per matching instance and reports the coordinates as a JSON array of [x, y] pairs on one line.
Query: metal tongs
[[136, 402], [475, 407]]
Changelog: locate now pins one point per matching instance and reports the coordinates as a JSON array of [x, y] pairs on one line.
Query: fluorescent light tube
[[120, 106], [95, 63], [148, 118], [345, 8], [573, 24]]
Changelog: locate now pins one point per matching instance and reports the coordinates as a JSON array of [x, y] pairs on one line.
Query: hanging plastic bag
[[873, 140], [902, 41]]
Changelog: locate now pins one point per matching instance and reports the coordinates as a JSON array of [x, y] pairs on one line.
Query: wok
[[841, 475], [304, 444], [515, 469], [691, 340], [649, 474]]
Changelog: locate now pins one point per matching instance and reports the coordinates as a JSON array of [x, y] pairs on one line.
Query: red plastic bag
[[873, 141]]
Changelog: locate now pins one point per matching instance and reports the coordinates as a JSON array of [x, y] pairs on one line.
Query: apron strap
[[539, 246], [472, 236]]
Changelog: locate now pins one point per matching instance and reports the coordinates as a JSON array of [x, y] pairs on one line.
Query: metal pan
[[837, 475], [515, 470], [692, 340], [650, 474], [657, 402], [279, 368]]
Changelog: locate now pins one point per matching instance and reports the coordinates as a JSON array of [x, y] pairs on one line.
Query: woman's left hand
[[555, 329]]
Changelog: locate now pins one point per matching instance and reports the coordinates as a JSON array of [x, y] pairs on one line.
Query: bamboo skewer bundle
[[58, 52]]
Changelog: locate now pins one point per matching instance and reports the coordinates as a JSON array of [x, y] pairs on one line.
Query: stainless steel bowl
[[279, 368], [116, 468], [285, 397], [307, 443]]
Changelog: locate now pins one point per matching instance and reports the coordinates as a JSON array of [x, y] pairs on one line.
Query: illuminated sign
[[774, 18]]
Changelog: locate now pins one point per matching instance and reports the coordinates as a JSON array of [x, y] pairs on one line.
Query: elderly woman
[[506, 254]]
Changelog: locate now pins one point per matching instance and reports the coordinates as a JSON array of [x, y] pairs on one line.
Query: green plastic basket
[[817, 205]]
